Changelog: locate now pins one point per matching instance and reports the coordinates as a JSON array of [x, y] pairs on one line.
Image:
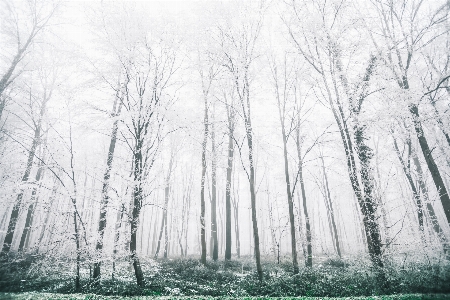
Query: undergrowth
[[236, 278]]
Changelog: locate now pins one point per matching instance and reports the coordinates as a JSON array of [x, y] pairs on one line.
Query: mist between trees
[[301, 131]]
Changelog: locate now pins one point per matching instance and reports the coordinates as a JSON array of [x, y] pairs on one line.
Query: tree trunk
[[77, 242], [137, 204], [407, 171], [426, 151], [105, 190], [117, 237], [308, 262], [430, 210], [290, 203], [202, 191], [253, 199], [331, 211], [215, 246], [15, 211], [228, 184]]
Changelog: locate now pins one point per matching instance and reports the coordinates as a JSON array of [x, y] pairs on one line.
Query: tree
[[37, 121], [283, 91], [322, 50], [150, 72], [231, 116], [238, 52], [117, 107], [403, 36], [37, 14]]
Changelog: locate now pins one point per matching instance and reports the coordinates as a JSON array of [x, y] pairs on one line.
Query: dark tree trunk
[[77, 242], [253, 198], [290, 203], [434, 170], [137, 204], [105, 190], [214, 240], [308, 262], [202, 191], [430, 210], [228, 188]]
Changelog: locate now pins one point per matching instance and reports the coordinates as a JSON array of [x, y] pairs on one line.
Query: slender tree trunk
[[308, 262], [77, 242], [117, 237], [290, 203], [407, 171], [236, 226], [426, 151], [105, 190], [429, 207], [215, 246], [202, 191], [331, 211], [137, 204], [228, 187], [253, 200]]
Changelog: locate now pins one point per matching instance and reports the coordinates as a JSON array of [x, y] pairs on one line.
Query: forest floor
[[50, 296], [186, 278]]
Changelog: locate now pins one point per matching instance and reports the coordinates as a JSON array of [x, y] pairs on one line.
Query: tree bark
[[202, 191], [434, 170], [137, 204], [308, 262], [105, 190], [215, 246]]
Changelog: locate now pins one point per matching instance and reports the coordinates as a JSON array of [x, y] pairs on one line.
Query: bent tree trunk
[[105, 189]]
